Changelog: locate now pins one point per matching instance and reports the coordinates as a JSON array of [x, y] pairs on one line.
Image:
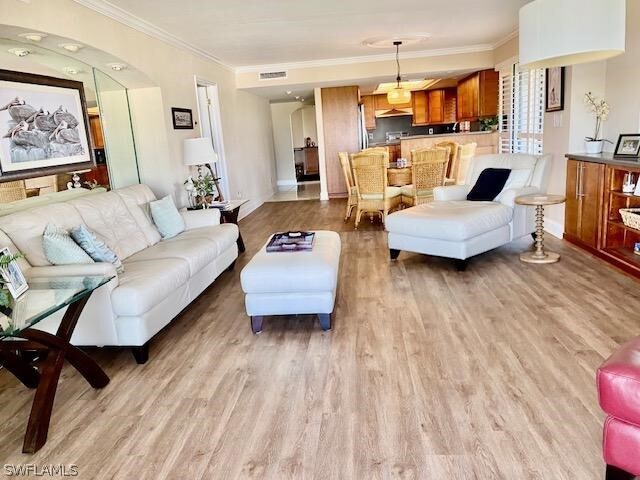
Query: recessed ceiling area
[[258, 32]]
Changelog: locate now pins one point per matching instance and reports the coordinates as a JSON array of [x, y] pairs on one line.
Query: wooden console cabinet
[[592, 216]]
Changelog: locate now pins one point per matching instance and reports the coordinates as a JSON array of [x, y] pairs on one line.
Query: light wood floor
[[428, 374]]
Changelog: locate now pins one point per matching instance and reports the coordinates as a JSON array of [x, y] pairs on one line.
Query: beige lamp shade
[[198, 151], [556, 33], [398, 96]]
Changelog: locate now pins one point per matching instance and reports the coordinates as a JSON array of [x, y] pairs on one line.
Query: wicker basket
[[399, 176], [631, 217]]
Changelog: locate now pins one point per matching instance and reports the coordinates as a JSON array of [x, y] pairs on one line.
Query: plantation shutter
[[521, 111]]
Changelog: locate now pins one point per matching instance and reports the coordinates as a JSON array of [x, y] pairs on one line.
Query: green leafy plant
[[487, 124], [5, 260]]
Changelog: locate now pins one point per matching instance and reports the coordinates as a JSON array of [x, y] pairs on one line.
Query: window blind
[[521, 110]]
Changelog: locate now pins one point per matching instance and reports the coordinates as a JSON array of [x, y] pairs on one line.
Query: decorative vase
[[593, 146]]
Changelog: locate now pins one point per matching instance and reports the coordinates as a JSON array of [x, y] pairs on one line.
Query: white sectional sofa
[[160, 278]]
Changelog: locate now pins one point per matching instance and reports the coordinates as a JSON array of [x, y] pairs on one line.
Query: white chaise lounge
[[453, 227]]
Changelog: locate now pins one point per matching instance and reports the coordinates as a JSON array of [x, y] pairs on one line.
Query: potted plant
[[600, 110], [5, 296], [202, 189], [489, 124]]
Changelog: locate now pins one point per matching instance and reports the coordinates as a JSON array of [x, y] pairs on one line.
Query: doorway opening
[[211, 128], [295, 139]]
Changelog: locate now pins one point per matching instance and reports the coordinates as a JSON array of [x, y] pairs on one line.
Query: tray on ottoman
[[291, 283]]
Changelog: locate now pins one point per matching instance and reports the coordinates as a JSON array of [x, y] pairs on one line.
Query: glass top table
[[45, 297]]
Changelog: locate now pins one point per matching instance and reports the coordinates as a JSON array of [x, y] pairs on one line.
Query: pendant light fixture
[[556, 33], [398, 95]]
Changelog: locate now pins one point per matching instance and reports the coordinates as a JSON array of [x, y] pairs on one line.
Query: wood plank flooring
[[428, 374]]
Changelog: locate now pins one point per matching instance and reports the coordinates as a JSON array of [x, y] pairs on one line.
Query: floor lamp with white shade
[[199, 152]]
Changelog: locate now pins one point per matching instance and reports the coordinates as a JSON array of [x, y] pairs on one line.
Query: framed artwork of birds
[[43, 126]]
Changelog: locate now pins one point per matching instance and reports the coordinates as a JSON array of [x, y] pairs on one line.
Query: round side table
[[539, 255]]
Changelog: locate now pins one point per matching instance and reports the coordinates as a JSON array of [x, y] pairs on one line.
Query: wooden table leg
[[231, 216], [22, 370], [40, 417]]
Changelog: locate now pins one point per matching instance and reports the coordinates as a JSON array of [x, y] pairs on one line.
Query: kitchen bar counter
[[487, 141]]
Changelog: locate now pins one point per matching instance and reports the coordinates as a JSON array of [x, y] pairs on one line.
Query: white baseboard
[[287, 183], [554, 228], [253, 205]]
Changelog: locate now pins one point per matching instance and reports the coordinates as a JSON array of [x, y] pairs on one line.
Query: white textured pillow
[[518, 178], [60, 249]]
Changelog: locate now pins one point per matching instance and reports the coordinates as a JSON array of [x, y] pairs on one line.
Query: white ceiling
[[257, 32]]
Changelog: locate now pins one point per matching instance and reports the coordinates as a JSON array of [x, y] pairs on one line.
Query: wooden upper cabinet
[[478, 95], [96, 131], [419, 103], [369, 104], [450, 105], [436, 106]]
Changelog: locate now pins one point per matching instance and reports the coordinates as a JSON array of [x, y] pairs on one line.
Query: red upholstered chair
[[619, 394]]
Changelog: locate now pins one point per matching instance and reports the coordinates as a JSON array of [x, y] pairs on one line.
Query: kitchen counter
[[604, 158], [487, 141]]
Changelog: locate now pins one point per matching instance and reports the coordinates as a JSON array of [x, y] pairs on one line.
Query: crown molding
[[506, 39], [485, 47], [126, 18]]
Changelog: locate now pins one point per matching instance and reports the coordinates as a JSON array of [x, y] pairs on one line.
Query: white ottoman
[[289, 283]]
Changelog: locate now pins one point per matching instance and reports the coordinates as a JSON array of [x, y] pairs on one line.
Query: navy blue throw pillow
[[490, 183]]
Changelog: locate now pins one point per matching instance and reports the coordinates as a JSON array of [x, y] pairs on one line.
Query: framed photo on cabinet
[[554, 90]]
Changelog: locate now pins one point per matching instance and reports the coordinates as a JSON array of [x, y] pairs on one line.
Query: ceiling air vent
[[271, 75]]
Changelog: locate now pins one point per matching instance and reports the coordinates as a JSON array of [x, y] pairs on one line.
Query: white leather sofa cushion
[[449, 220], [197, 252], [289, 272], [144, 284], [137, 198], [25, 228], [223, 235], [107, 215]]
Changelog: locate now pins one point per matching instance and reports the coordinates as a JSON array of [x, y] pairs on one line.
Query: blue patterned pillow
[[95, 248], [166, 217], [60, 249]]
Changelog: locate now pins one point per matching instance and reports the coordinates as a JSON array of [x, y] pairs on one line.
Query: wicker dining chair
[[370, 176], [466, 153], [352, 199], [453, 160], [428, 168], [12, 191]]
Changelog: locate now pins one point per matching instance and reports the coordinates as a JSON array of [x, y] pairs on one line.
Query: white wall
[[283, 141], [245, 117], [297, 128], [309, 128], [623, 72]]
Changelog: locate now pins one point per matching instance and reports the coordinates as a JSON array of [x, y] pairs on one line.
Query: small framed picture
[[13, 276], [628, 146], [554, 89], [182, 118]]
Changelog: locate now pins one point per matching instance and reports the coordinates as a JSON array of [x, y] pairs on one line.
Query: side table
[[539, 255], [229, 214]]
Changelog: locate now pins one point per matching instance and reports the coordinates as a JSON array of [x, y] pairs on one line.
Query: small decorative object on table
[[205, 189], [628, 185], [291, 242], [12, 281], [636, 248], [600, 110], [628, 146]]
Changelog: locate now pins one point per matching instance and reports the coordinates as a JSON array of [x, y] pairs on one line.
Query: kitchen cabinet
[[435, 104], [311, 163], [585, 182], [477, 95], [95, 125], [341, 125], [369, 105], [419, 103]]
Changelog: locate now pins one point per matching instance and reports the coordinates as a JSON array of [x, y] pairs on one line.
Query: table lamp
[[199, 152]]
